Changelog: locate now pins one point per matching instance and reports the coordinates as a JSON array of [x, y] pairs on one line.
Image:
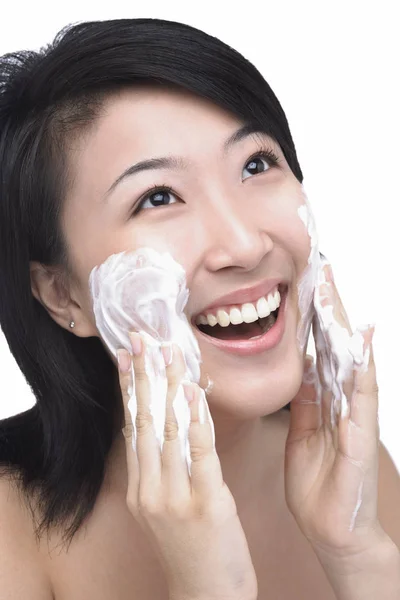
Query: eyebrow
[[179, 163]]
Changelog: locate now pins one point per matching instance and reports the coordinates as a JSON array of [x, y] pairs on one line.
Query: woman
[[264, 516]]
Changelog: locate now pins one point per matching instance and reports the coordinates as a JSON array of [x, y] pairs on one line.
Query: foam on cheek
[[340, 352], [146, 291]]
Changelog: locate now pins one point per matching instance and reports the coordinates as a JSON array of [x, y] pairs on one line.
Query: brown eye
[[161, 196], [255, 164]]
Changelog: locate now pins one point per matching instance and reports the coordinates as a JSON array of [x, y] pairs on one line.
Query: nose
[[235, 238]]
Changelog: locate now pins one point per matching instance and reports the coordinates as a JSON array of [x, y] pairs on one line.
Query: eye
[[159, 195], [256, 165]]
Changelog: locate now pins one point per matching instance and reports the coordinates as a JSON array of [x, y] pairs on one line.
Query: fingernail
[[367, 332], [124, 360], [308, 362], [329, 273], [166, 350], [366, 327], [189, 392], [136, 343]]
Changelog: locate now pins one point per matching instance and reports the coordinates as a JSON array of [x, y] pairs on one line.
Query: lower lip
[[268, 340]]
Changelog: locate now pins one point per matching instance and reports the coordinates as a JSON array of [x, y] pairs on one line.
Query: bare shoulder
[[21, 571]]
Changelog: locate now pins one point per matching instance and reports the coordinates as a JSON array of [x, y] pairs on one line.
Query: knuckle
[[170, 429], [198, 452], [175, 508], [144, 422], [140, 374], [375, 389], [149, 507], [128, 430]]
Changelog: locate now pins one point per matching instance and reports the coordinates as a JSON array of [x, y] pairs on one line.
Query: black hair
[[57, 450]]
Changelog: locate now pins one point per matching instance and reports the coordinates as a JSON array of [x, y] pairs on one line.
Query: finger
[[321, 348], [147, 445], [351, 384], [324, 372], [125, 382], [327, 366], [206, 472], [305, 410], [365, 399], [339, 312], [175, 474]]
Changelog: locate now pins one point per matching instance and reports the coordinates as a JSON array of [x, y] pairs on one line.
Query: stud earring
[[72, 324]]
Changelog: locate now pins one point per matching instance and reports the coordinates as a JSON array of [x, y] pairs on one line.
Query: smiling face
[[228, 216]]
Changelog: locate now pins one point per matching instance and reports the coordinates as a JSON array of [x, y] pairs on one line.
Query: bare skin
[[243, 229], [110, 557], [121, 563]]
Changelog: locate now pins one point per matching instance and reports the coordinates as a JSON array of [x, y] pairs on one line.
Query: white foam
[[146, 291]]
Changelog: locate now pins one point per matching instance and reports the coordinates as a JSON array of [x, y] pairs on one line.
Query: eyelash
[[263, 152]]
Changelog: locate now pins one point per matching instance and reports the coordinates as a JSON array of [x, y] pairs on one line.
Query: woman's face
[[231, 222]]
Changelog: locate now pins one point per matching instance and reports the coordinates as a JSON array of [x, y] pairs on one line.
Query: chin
[[253, 384], [253, 393]]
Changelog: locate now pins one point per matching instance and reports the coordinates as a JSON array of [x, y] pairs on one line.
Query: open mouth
[[245, 331]]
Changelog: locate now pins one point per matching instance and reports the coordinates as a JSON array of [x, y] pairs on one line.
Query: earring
[[72, 324]]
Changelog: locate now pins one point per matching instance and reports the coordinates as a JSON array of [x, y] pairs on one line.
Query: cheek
[[279, 216], [180, 240], [297, 242]]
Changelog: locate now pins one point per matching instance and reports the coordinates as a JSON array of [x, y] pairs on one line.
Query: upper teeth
[[246, 313]]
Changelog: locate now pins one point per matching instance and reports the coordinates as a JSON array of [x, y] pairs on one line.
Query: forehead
[[161, 119], [142, 123]]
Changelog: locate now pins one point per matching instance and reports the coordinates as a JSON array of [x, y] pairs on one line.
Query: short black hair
[[57, 450]]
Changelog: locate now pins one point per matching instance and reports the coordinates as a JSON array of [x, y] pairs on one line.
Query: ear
[[50, 287]]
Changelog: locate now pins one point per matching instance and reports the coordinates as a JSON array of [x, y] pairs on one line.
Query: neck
[[251, 455]]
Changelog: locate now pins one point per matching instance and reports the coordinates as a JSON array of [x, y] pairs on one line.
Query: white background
[[335, 69]]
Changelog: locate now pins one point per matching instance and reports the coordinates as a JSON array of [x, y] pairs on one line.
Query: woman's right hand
[[191, 520]]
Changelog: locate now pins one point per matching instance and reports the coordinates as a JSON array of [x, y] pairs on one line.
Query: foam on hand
[[340, 351], [145, 291]]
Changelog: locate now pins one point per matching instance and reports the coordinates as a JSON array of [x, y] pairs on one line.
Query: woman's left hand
[[331, 473]]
